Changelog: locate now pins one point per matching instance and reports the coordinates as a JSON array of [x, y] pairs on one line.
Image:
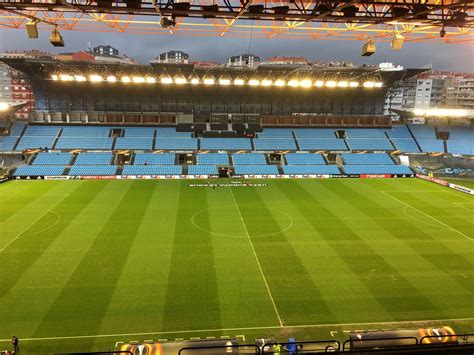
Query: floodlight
[[280, 82], [138, 79], [306, 83], [331, 83], [3, 106], [194, 81], [166, 80], [32, 29], [150, 80], [368, 48], [239, 82], [254, 82], [319, 83], [95, 78], [369, 84], [397, 41], [353, 84], [56, 39], [54, 77], [267, 82], [80, 77], [378, 84], [343, 84], [65, 77], [113, 79], [293, 83], [224, 82], [209, 81]]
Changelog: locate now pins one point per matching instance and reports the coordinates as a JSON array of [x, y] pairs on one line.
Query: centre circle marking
[[197, 226]]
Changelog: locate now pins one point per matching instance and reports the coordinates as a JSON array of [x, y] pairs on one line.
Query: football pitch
[[84, 264]]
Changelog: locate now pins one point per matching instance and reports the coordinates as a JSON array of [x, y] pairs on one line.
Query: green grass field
[[87, 263]]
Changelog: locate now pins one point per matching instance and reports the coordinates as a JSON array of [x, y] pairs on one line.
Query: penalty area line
[[429, 216], [396, 323]]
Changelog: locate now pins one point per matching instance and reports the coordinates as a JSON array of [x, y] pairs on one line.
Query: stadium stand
[[17, 129], [376, 169], [367, 159], [369, 144], [202, 170], [398, 132], [249, 159], [407, 145], [430, 145], [52, 159], [465, 133], [274, 144], [226, 143], [422, 131], [41, 131], [93, 159], [81, 142], [173, 143], [39, 170], [322, 144], [85, 131], [304, 159], [460, 147], [35, 142], [7, 143], [256, 170], [89, 170], [314, 133], [154, 159], [212, 159], [138, 132], [365, 133], [137, 143], [275, 133], [171, 132], [152, 170], [311, 170]]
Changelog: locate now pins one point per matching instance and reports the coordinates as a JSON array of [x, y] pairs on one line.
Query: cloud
[[456, 57]]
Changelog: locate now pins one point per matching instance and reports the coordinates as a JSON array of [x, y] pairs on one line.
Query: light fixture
[[368, 48], [95, 78], [254, 82], [167, 22], [209, 81], [3, 106], [65, 77], [267, 82], [150, 80], [306, 83], [293, 83], [342, 84], [180, 80], [166, 80], [111, 79], [239, 82], [224, 82], [80, 78], [353, 84], [54, 77], [331, 83], [32, 29], [397, 41], [319, 83], [138, 79], [442, 33], [126, 79], [369, 84], [280, 82], [378, 84], [56, 39], [194, 81]]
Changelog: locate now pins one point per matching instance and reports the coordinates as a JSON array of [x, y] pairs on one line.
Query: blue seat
[[91, 170], [256, 170], [398, 132], [377, 169], [249, 159], [463, 147], [304, 159], [17, 129], [39, 170], [369, 144], [139, 131], [407, 145], [185, 144], [421, 131], [274, 144], [367, 159], [212, 159], [464, 133], [275, 133], [171, 132], [33, 130], [154, 159], [52, 159], [137, 143], [35, 142], [84, 142], [314, 133], [7, 143], [202, 170], [94, 159], [85, 131], [322, 144], [152, 170], [311, 170], [430, 145], [365, 133], [226, 144]]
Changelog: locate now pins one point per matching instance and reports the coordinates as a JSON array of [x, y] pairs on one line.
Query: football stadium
[[182, 209]]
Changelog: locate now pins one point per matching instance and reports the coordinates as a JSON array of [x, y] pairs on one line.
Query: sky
[[439, 56]]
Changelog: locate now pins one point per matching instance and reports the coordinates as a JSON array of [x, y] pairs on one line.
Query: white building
[[243, 60]]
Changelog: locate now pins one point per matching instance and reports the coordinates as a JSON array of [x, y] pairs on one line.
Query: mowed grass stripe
[[42, 281], [20, 255], [398, 296], [297, 298], [15, 203], [83, 301], [452, 299], [192, 299]]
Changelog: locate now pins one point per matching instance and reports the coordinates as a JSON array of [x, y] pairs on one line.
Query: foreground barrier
[[446, 183]]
